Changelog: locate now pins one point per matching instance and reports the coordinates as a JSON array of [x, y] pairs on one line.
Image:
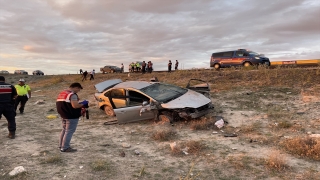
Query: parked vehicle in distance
[[4, 72], [20, 72], [110, 69], [37, 72], [240, 57], [132, 101]]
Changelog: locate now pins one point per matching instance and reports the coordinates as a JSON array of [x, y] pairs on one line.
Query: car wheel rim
[[109, 111]]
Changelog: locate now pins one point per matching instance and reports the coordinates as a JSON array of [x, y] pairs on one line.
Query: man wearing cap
[[70, 110], [7, 95], [24, 93]]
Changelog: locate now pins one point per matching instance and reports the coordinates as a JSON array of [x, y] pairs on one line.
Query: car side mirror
[[145, 103]]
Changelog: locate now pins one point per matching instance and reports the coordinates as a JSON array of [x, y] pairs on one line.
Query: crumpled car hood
[[190, 99]]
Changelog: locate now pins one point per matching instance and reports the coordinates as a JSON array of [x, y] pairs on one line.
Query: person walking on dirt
[[24, 93], [92, 74], [176, 65], [84, 75], [7, 95], [143, 67], [169, 66], [81, 71], [70, 110]]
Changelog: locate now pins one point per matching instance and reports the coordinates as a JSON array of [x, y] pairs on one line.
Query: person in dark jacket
[[143, 67], [7, 95], [176, 65], [169, 66], [84, 74], [70, 110]]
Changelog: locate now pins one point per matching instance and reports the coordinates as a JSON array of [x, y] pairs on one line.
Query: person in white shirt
[[92, 73]]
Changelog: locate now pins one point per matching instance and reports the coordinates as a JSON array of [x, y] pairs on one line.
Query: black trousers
[[22, 100], [91, 77], [7, 110]]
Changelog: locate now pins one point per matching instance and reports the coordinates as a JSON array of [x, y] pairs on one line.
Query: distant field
[[273, 112]]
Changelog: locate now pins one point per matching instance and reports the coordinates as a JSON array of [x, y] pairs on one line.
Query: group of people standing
[[175, 66], [85, 74], [141, 67], [68, 106], [10, 98]]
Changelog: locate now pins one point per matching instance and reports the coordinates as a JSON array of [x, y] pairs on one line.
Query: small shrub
[[203, 124], [284, 124], [56, 159], [176, 151], [99, 165], [190, 147], [303, 147], [164, 135], [276, 161], [251, 127], [194, 147]]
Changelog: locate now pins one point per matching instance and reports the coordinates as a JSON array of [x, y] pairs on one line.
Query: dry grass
[[100, 165], [276, 161], [189, 147], [55, 159], [303, 147], [164, 135], [203, 124]]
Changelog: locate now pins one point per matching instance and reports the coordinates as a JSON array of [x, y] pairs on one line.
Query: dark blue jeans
[[69, 126], [7, 110]]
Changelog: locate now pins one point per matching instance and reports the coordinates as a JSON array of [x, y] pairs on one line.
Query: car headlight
[[257, 57]]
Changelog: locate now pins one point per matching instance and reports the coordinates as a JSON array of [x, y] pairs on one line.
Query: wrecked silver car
[[132, 101]]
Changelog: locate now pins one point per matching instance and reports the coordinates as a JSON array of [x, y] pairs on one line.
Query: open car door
[[199, 86]]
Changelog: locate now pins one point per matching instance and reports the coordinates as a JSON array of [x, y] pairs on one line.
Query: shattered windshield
[[163, 92]]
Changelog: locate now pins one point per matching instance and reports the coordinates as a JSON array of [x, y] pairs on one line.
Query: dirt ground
[[103, 151]]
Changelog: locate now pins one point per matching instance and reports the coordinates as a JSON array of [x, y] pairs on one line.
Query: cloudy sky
[[62, 36]]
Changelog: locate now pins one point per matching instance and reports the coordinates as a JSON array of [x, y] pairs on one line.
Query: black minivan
[[240, 57]]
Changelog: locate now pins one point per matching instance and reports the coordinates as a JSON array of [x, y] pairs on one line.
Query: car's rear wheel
[[217, 66], [246, 64], [109, 111]]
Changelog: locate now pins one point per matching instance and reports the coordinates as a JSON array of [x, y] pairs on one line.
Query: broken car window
[[164, 92]]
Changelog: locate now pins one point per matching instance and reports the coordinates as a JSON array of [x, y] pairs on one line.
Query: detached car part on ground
[[132, 101]]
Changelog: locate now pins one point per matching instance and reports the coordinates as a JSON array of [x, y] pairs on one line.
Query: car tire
[[246, 64], [217, 66], [165, 118], [109, 111]]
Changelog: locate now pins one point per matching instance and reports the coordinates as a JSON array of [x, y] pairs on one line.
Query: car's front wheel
[[109, 111]]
